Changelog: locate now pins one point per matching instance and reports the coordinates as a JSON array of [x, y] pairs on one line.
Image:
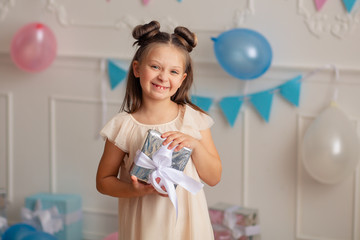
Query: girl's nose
[[163, 76]]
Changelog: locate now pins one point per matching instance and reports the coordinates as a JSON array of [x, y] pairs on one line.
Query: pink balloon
[[33, 48], [113, 236]]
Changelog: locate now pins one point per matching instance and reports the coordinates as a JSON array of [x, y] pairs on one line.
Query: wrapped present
[[242, 222], [221, 232], [57, 214], [155, 161], [153, 143]]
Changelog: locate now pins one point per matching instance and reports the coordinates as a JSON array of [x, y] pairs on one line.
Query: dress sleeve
[[116, 131], [194, 121]]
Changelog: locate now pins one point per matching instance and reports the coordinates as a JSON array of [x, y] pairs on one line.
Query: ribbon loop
[[49, 220], [161, 166]]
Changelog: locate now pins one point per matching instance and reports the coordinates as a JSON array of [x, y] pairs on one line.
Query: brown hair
[[147, 36]]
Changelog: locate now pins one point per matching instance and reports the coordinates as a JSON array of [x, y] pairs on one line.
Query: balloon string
[[335, 80], [245, 91]]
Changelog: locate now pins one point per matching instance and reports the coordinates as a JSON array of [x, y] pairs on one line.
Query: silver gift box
[[152, 143]]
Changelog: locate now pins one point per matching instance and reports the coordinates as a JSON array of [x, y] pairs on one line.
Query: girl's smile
[[159, 86]]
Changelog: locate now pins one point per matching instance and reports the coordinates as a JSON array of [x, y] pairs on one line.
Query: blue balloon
[[39, 236], [243, 53], [18, 231]]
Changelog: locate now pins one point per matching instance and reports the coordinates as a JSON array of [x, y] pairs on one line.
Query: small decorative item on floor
[[56, 214], [156, 161], [22, 231], [241, 223], [112, 236]]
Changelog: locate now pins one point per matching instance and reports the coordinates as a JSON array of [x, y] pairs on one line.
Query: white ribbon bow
[[230, 221], [50, 219], [161, 166]]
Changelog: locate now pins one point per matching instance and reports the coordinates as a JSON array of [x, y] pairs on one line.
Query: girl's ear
[[183, 78], [135, 66]]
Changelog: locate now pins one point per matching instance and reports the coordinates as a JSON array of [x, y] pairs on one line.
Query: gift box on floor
[[242, 222], [153, 143], [57, 214]]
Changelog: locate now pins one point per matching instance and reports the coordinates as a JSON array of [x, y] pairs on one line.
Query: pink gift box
[[223, 215], [221, 232], [244, 216]]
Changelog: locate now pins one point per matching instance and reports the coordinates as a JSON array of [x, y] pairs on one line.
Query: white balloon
[[330, 147]]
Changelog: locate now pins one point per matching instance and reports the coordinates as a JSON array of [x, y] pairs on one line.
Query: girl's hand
[[141, 189], [179, 140]]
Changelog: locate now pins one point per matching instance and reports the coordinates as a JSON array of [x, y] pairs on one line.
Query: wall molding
[[126, 21], [52, 111], [320, 23], [355, 218], [5, 7], [53, 100], [10, 144], [245, 158]]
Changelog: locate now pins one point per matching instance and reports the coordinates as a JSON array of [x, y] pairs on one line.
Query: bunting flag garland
[[291, 90], [116, 72], [202, 102], [145, 2], [319, 4], [349, 4], [231, 107], [262, 102]]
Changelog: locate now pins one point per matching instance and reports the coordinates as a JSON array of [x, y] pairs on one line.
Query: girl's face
[[161, 72]]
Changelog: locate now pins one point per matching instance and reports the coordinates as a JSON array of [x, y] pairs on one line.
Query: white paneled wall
[[49, 121]]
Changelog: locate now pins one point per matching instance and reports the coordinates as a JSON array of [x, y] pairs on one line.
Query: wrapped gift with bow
[[156, 161], [56, 214], [242, 222]]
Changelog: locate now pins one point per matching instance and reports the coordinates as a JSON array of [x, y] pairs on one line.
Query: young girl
[[158, 83]]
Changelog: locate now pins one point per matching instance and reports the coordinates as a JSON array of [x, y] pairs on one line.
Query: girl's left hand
[[179, 140]]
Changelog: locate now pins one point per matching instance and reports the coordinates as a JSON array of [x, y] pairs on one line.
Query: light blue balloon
[[18, 231], [243, 53]]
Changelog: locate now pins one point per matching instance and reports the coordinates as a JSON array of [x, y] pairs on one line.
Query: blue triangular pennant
[[291, 90], [231, 107], [116, 73], [202, 102], [349, 4], [262, 102]]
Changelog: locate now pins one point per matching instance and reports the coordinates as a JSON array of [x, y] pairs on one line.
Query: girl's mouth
[[159, 86]]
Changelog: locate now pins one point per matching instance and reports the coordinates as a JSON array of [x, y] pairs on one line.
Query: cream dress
[[153, 217]]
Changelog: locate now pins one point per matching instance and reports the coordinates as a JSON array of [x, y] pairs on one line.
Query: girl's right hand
[[141, 189]]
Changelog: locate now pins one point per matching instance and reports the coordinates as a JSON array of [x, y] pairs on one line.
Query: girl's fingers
[[134, 180]]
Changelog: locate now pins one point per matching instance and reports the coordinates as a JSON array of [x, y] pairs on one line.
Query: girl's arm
[[107, 181], [204, 155]]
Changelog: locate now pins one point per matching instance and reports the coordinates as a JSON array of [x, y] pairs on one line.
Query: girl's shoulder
[[117, 128], [195, 119]]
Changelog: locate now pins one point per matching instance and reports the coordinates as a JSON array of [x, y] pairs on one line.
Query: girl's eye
[[174, 72], [155, 67]]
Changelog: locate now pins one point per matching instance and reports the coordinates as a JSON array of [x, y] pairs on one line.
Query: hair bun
[[189, 37], [143, 32]]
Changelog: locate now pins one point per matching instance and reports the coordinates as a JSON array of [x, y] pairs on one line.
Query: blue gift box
[[69, 207]]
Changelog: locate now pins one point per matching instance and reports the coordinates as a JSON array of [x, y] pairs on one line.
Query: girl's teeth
[[158, 86]]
